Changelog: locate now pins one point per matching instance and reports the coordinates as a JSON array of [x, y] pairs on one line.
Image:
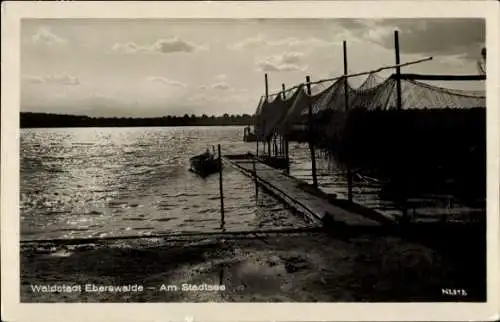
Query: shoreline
[[312, 267]]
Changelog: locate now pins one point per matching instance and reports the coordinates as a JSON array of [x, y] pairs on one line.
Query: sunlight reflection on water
[[89, 182]]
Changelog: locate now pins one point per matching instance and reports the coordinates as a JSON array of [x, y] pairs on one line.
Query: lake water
[[89, 182]]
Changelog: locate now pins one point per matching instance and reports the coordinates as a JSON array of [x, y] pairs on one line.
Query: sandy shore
[[295, 267]]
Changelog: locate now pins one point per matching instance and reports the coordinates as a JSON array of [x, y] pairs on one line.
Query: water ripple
[[116, 181]]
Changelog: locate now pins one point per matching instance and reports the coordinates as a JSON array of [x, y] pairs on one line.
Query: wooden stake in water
[[221, 274], [221, 190], [311, 143], [346, 102], [282, 143], [255, 179], [285, 140]]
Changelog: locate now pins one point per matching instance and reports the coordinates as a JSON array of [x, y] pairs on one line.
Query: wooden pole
[[399, 106], [311, 145], [287, 156], [346, 102], [221, 274], [267, 97], [221, 190], [363, 73], [282, 136], [285, 140], [432, 77], [255, 180], [398, 72], [256, 136], [276, 144], [267, 86]]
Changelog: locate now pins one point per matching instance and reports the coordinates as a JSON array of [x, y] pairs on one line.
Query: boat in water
[[205, 163]]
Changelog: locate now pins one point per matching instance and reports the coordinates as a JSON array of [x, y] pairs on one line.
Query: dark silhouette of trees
[[42, 120]]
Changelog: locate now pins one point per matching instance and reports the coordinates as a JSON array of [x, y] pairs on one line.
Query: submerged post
[[275, 145], [221, 190], [282, 142], [398, 72], [256, 135], [255, 180], [311, 145], [285, 140], [267, 139], [221, 274], [346, 103]]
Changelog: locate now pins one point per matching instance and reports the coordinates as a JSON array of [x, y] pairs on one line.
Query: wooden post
[[255, 180], [311, 145], [221, 190], [399, 102], [267, 86], [275, 144], [285, 140], [221, 274], [282, 136], [256, 136], [346, 103], [399, 107], [267, 97], [287, 157]]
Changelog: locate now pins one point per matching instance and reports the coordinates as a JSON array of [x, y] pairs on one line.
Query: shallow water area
[[99, 182]]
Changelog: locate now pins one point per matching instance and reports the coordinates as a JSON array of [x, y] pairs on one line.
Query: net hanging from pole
[[375, 93]]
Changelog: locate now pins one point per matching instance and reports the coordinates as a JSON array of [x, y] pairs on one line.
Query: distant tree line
[[39, 120]]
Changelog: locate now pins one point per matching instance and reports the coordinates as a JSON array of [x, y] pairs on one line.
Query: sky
[[153, 67]]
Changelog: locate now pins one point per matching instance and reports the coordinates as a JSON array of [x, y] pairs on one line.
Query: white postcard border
[[12, 310]]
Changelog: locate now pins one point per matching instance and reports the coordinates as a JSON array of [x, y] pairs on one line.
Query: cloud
[[163, 80], [45, 36], [260, 41], [128, 48], [289, 61], [268, 66], [433, 36], [175, 44], [452, 60], [221, 85], [249, 43], [291, 57], [165, 45], [54, 79]]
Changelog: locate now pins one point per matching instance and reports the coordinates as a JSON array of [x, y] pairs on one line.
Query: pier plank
[[288, 188]]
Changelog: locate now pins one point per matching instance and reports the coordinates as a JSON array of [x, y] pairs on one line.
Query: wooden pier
[[316, 209]]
